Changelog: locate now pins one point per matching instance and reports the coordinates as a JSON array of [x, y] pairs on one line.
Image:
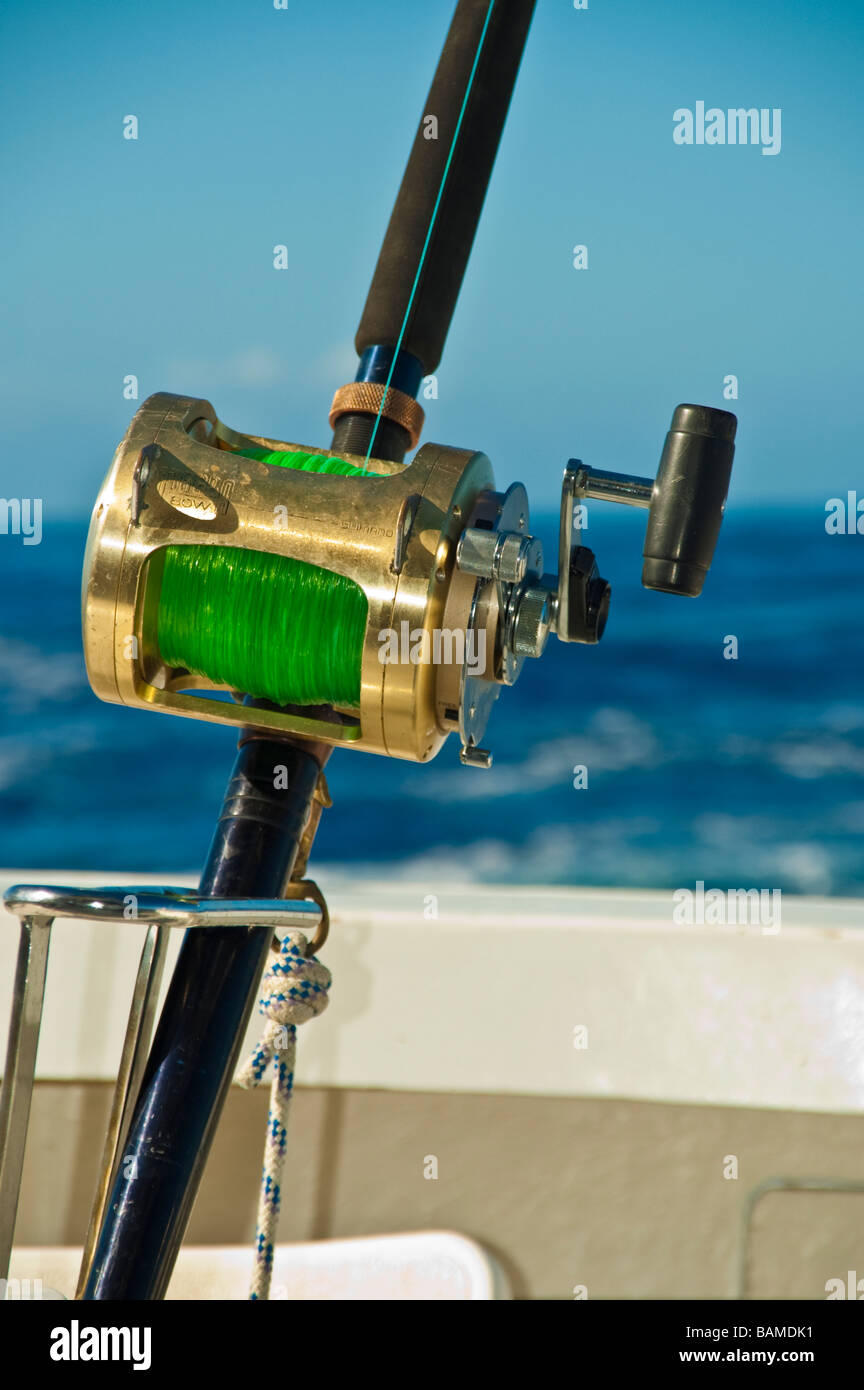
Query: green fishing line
[[307, 463], [274, 627]]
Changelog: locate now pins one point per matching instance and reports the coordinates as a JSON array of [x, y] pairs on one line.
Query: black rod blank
[[195, 1050]]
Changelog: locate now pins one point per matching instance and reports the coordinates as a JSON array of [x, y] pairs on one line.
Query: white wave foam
[[30, 676]]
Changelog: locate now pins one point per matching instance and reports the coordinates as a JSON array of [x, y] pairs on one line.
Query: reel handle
[[688, 500], [685, 503]]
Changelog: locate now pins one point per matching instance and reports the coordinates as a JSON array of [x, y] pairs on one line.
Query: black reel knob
[[688, 499]]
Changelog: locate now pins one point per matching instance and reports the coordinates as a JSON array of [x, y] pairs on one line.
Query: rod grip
[[464, 190]]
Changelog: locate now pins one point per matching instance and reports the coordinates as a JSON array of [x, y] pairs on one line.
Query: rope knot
[[293, 990]]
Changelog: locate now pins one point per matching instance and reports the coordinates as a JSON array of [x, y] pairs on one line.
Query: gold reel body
[[174, 480]]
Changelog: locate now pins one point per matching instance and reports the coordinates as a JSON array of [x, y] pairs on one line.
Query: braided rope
[[293, 990]]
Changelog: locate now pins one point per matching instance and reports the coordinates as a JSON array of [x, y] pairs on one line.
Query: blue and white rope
[[293, 990]]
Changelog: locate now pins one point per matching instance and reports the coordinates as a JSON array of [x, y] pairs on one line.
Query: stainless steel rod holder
[[37, 906]]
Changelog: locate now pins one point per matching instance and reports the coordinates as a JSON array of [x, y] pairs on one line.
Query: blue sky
[[260, 127]]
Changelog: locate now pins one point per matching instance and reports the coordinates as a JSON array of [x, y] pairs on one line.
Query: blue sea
[[746, 772]]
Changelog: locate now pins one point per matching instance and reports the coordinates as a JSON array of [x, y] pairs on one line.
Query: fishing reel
[[451, 582]]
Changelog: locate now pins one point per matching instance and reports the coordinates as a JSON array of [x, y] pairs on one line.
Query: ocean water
[[742, 773]]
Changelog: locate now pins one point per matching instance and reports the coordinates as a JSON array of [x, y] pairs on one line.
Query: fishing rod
[[270, 585]]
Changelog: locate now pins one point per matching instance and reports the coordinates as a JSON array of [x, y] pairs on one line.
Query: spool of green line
[[274, 627], [307, 463]]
